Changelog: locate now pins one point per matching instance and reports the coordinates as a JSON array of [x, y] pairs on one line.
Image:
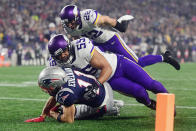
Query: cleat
[[114, 112], [167, 57], [119, 103], [152, 104]]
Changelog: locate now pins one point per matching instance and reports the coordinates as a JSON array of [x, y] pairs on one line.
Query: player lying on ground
[[68, 87], [100, 29], [124, 75]]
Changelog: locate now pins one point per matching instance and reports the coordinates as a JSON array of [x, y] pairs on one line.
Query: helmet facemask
[[60, 49], [74, 24], [63, 60], [70, 17], [51, 79]]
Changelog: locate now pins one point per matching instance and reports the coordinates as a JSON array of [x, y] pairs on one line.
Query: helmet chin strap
[[55, 91], [69, 59]]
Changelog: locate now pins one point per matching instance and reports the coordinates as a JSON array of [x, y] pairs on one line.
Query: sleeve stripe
[[97, 17], [92, 51]]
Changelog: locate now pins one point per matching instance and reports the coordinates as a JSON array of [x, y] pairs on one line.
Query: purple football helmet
[[57, 45], [70, 17]]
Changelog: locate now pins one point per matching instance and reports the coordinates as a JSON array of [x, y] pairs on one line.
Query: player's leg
[[87, 112], [130, 88], [118, 46], [113, 108], [135, 73], [147, 60], [152, 59]]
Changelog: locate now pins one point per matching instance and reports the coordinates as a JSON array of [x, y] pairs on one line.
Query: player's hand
[[38, 119], [122, 23], [91, 90]]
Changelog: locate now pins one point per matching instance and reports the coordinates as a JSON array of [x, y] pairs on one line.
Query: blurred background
[[26, 27]]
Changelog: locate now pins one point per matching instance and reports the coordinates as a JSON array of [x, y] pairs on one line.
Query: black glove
[[91, 90], [122, 27]]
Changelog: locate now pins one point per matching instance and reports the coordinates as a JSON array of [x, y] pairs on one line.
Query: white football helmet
[[51, 79]]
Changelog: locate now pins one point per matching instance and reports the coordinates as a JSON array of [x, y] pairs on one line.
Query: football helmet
[[57, 45], [51, 79], [70, 17]]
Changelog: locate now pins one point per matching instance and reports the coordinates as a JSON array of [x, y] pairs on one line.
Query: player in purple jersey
[[124, 75], [100, 29], [68, 87]]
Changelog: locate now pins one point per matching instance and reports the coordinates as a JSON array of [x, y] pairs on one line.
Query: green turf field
[[20, 99]]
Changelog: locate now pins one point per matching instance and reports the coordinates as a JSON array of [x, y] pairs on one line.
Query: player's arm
[[66, 98], [50, 103], [106, 20], [67, 116], [99, 61]]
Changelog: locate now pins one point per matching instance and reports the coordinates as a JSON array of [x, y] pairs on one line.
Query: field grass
[[21, 99]]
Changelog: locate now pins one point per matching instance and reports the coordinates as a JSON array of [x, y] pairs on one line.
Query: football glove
[[122, 23], [91, 90], [38, 119]]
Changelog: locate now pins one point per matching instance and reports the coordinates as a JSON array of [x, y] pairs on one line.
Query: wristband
[[59, 117], [117, 26], [121, 26]]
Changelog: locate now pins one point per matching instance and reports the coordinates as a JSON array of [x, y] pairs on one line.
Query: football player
[[122, 74], [68, 87], [100, 29]]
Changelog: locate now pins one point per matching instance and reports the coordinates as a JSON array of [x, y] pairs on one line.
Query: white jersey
[[82, 51], [89, 27]]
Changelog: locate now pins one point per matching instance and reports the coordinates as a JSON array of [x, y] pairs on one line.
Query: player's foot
[[152, 104], [118, 103], [167, 57], [114, 112]]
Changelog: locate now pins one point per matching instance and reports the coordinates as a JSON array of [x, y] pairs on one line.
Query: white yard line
[[173, 79], [21, 99], [126, 104], [190, 117], [180, 107], [24, 84], [30, 83]]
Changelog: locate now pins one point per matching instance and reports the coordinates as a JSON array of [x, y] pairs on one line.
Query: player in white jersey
[[100, 29], [122, 74], [80, 57]]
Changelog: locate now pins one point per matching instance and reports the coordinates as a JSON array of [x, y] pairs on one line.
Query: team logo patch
[[64, 97]]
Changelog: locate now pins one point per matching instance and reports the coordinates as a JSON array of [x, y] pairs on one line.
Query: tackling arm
[[99, 61]]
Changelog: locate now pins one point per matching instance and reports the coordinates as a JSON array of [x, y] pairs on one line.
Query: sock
[[149, 60]]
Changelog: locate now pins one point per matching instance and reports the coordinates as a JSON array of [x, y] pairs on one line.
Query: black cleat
[[167, 57], [152, 105]]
